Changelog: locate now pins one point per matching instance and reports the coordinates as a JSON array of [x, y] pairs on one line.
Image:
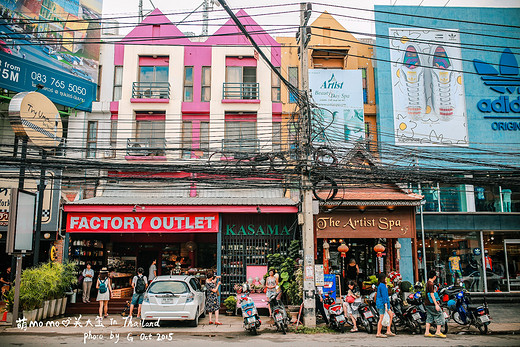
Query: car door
[[199, 294]]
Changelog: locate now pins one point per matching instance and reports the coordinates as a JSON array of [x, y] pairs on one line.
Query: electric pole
[[309, 304]]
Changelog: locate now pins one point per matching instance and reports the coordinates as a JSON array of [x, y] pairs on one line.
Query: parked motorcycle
[[418, 310], [404, 314], [281, 320], [249, 313], [365, 317], [465, 314], [335, 313]]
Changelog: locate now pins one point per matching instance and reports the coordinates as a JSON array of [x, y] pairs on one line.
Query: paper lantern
[[379, 248]]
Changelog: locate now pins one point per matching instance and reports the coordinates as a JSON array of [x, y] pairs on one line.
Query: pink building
[[179, 107]]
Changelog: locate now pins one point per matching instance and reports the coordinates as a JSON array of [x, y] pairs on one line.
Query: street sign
[[21, 221]]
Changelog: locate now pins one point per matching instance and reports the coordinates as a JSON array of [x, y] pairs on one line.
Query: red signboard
[[142, 222]]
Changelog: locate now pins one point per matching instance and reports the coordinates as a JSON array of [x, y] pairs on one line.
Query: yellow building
[[331, 47]]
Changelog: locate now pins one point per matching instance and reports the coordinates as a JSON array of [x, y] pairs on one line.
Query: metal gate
[[240, 251]]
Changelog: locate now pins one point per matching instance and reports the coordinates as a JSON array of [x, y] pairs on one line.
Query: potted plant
[[231, 304]]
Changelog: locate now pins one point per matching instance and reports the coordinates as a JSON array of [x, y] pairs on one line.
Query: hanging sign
[[33, 115]]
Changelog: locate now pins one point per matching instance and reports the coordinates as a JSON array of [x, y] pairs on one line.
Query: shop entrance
[[512, 248], [123, 254]]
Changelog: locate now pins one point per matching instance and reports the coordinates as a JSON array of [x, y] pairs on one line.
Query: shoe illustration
[[441, 83], [412, 73]]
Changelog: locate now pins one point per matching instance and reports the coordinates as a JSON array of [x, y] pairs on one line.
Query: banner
[[59, 41], [339, 120], [427, 87], [136, 222]]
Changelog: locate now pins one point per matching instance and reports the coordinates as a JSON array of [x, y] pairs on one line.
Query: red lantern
[[343, 248], [379, 248]]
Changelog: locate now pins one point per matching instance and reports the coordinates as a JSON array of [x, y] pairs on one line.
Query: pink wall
[[197, 57]]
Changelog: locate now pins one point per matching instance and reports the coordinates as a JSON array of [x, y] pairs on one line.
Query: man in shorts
[[139, 283], [434, 313]]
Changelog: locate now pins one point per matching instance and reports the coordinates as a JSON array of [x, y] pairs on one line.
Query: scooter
[[335, 314], [404, 314], [249, 313], [365, 317], [464, 314], [281, 320]]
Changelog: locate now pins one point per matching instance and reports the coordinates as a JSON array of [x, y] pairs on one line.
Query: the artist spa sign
[[368, 224], [142, 222]]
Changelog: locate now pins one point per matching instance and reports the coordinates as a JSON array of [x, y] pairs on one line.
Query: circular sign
[[477, 251], [33, 115]]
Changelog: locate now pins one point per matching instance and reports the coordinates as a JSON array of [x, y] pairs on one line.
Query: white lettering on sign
[[97, 221]]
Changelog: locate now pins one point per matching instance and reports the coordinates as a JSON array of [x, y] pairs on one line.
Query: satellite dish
[[191, 246]]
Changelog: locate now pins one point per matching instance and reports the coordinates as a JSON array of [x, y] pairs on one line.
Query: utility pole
[[309, 288]]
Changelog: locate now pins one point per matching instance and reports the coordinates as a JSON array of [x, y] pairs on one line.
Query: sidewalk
[[231, 325]]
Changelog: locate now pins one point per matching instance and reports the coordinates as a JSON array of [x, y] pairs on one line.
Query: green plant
[[294, 249], [275, 261], [230, 303], [373, 279], [302, 329]]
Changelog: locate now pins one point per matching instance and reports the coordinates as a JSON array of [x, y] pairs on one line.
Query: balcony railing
[[151, 90], [145, 147], [240, 148], [240, 91]]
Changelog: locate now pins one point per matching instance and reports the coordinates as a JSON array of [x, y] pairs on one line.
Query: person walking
[[271, 282], [383, 306], [152, 271], [104, 287], [434, 312], [88, 277], [212, 300], [139, 283]]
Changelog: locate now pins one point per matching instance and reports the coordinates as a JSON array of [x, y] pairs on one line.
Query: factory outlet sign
[[369, 224], [142, 223]]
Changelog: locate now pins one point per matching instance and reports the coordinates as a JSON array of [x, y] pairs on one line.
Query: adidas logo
[[452, 36], [504, 81]]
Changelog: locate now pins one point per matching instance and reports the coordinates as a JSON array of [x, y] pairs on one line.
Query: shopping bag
[[386, 319]]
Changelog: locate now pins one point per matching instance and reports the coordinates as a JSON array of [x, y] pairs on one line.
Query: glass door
[[512, 251]]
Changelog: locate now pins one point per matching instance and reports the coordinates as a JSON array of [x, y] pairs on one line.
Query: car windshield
[[168, 287]]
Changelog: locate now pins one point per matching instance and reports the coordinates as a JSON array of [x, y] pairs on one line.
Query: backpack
[[102, 286], [140, 285]]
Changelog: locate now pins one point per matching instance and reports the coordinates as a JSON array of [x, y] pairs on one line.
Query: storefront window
[[431, 196], [456, 257], [487, 199], [510, 200], [453, 198], [501, 249]]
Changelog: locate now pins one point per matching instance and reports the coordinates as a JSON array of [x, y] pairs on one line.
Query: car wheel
[[194, 323]]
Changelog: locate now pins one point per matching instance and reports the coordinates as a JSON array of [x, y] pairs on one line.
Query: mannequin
[[454, 261], [489, 261]]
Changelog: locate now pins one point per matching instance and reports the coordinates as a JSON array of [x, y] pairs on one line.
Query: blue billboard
[[21, 75], [448, 85], [61, 36]]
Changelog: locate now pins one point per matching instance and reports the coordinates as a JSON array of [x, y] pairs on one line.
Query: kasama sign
[[142, 223]]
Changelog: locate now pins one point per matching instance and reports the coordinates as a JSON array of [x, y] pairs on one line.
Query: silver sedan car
[[174, 298]]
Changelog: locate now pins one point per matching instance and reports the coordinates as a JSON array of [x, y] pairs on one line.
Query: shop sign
[[142, 223], [33, 115], [355, 225], [256, 230]]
